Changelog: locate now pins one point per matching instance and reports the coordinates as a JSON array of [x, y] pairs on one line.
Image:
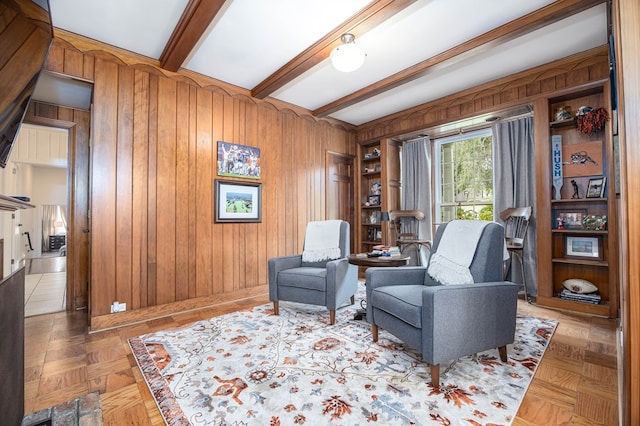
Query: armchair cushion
[[304, 277], [401, 301]]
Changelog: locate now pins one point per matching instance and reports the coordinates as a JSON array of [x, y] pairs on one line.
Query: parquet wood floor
[[576, 383]]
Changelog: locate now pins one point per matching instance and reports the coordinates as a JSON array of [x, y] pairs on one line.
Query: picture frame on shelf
[[568, 218], [237, 202], [374, 200], [583, 247], [376, 188], [596, 187]]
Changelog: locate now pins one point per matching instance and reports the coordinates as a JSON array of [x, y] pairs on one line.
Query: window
[[464, 177]]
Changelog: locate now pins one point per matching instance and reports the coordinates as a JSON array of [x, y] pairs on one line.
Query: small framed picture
[[374, 200], [596, 187], [583, 247], [375, 188], [568, 218], [237, 201]]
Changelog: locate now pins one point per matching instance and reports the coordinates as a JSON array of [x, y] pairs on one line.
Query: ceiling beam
[[193, 23], [366, 19], [544, 16]]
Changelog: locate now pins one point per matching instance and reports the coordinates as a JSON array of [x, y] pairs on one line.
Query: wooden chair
[[405, 226], [516, 223]]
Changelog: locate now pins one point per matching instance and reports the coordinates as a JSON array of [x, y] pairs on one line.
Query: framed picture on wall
[[236, 160], [237, 201]]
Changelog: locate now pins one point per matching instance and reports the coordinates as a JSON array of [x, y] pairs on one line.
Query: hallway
[[45, 285]]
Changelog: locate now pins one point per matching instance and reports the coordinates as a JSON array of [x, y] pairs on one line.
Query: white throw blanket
[[322, 241], [450, 264]]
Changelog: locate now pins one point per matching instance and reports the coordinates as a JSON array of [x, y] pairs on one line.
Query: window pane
[[465, 177]]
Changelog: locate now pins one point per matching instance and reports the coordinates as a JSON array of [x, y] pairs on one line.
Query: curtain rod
[[468, 129]]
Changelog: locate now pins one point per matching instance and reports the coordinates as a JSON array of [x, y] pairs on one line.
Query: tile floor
[[44, 292]]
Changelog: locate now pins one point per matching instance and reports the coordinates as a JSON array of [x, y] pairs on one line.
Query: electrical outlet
[[115, 307], [122, 307]]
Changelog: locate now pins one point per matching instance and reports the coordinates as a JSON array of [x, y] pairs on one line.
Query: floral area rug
[[254, 368]]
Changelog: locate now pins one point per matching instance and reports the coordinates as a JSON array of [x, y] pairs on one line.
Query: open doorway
[[40, 163]]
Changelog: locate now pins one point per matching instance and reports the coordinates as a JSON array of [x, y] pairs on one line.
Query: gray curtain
[[416, 186], [514, 186]]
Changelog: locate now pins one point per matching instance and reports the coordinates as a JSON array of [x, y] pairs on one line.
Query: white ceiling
[[250, 40]]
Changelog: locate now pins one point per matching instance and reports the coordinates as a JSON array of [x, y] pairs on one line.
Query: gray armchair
[[325, 283], [445, 322]]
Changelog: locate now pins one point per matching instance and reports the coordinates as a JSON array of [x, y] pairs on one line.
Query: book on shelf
[[593, 298]]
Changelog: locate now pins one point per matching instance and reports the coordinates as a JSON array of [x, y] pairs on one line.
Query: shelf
[[13, 204], [579, 231], [579, 200], [371, 207], [562, 123], [572, 261], [368, 174], [370, 160], [376, 225], [589, 308]]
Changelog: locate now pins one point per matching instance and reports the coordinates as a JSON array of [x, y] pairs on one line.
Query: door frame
[[78, 258]]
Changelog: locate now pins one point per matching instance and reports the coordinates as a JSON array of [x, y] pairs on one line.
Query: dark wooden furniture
[[12, 348], [56, 241], [377, 191], [380, 261]]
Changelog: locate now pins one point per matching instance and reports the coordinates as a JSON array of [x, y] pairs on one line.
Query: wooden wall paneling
[[78, 251], [146, 159], [627, 32], [204, 194], [543, 194], [88, 68], [152, 194], [182, 236], [300, 162], [165, 206], [140, 172], [192, 196], [55, 59], [218, 244], [73, 63], [270, 160], [293, 210], [223, 277], [231, 248], [103, 189], [124, 184], [255, 231], [569, 72]]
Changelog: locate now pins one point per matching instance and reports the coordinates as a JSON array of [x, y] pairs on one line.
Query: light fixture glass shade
[[347, 57]]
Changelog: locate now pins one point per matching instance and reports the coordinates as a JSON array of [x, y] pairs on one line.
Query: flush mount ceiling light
[[347, 57]]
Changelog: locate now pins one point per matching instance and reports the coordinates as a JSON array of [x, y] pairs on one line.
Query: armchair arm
[[342, 281], [401, 275], [459, 320], [278, 264]]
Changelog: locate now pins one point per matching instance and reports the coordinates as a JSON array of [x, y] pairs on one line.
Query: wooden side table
[[381, 261]]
